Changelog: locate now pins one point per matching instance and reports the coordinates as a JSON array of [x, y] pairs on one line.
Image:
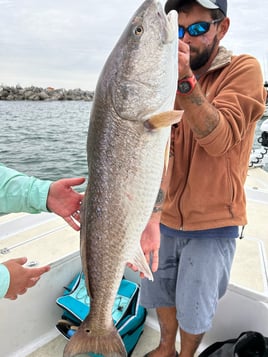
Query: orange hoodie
[[207, 183]]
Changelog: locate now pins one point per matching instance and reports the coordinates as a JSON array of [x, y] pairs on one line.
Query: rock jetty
[[46, 94]]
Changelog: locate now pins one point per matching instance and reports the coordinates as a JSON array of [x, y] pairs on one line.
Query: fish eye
[[138, 30]]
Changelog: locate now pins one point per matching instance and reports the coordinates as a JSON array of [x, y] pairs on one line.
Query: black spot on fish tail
[[105, 342]]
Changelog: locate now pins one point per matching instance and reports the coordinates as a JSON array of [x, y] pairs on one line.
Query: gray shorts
[[193, 275]]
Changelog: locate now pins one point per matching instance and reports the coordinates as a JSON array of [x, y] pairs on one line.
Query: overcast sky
[[64, 43]]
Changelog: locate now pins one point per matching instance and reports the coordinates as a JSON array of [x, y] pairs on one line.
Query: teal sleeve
[[4, 280], [22, 193]]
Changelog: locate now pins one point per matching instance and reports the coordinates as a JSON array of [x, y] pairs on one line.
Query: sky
[[64, 43]]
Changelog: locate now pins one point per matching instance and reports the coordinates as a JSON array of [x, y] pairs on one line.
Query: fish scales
[[125, 166]]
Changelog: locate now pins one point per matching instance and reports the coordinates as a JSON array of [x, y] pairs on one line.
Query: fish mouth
[[169, 23]]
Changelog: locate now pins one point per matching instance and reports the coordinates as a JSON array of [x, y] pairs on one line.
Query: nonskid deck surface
[[251, 259], [28, 235]]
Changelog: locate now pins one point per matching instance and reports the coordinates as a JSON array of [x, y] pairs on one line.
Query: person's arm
[[22, 193], [219, 125], [202, 116], [150, 239]]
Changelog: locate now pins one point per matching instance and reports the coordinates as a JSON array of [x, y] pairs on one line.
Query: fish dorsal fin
[[163, 120]]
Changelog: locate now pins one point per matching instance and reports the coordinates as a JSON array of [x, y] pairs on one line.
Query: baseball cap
[[208, 4]]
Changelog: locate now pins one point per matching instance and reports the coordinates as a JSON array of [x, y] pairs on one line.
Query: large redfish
[[127, 138]]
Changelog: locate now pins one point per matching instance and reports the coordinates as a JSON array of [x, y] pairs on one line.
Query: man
[[21, 193], [222, 97]]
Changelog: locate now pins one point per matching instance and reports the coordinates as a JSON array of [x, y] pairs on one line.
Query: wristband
[[186, 85]]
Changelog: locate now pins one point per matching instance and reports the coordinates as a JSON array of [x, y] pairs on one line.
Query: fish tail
[[106, 342]]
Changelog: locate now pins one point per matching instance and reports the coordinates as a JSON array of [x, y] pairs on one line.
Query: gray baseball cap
[[208, 4]]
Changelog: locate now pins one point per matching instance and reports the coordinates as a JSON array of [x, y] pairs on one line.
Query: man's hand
[[150, 244], [184, 60], [22, 278], [65, 202]]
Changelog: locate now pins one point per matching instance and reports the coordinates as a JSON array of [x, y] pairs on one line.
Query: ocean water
[[48, 139], [45, 139]]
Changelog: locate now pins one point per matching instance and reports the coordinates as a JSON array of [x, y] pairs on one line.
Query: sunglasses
[[196, 29]]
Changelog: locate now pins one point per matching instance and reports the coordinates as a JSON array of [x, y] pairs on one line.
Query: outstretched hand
[[22, 278], [65, 201]]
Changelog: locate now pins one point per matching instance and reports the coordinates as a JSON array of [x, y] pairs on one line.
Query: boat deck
[[147, 343], [250, 268]]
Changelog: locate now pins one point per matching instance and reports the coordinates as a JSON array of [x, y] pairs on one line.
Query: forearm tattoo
[[197, 100], [159, 201], [211, 119]]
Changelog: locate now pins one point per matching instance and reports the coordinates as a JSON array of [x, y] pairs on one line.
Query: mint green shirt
[[20, 193], [4, 280]]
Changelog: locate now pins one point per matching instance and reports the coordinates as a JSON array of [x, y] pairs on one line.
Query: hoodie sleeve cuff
[[38, 193], [4, 280]]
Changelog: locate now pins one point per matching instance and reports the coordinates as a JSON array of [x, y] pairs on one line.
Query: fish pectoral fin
[[163, 120], [140, 262], [104, 342]]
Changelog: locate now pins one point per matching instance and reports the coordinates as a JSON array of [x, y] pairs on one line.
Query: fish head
[[142, 70]]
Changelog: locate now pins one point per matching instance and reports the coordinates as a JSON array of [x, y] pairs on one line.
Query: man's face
[[204, 46]]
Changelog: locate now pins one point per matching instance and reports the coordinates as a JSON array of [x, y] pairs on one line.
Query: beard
[[201, 58]]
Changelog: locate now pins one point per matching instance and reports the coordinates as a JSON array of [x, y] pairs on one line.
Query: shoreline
[[33, 93]]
